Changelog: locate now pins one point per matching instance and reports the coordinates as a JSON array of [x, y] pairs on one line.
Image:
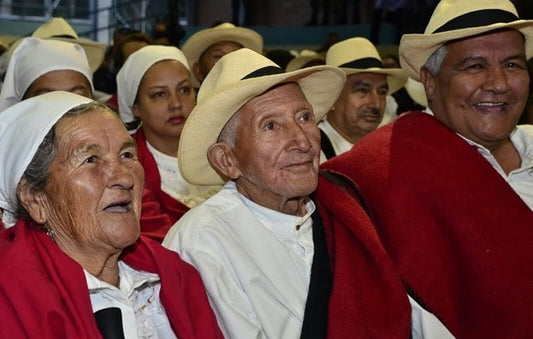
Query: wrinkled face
[[92, 199], [277, 146], [359, 109], [164, 100], [482, 87], [210, 56], [62, 80]]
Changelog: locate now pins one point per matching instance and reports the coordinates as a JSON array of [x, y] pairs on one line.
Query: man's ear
[[34, 202], [428, 80], [222, 158], [197, 72]]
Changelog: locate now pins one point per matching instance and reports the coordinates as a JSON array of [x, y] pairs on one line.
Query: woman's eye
[[90, 160]]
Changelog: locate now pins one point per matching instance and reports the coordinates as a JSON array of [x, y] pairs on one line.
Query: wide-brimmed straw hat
[[59, 29], [359, 55], [416, 91], [457, 19], [234, 80], [201, 40], [304, 59]]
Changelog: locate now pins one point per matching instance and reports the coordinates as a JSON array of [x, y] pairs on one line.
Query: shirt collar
[[276, 221], [130, 279]]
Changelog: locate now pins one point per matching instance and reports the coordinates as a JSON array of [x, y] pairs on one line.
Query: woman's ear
[[34, 202], [135, 110], [222, 158]]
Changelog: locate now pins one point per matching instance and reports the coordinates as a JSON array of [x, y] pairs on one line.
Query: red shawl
[[460, 237], [367, 298], [159, 210], [44, 294]]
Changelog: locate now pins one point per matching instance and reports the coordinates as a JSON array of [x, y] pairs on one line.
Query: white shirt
[[520, 179], [340, 145], [254, 262], [173, 183], [143, 316]]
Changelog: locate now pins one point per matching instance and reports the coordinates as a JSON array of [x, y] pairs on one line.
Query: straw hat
[[59, 29], [234, 80], [416, 91], [359, 55], [457, 19], [305, 58], [202, 40]]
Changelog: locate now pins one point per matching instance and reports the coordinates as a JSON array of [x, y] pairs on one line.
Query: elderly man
[[360, 107], [260, 244], [204, 48], [451, 194]]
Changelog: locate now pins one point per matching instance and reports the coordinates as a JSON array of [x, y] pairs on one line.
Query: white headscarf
[[34, 57], [130, 75], [23, 127]]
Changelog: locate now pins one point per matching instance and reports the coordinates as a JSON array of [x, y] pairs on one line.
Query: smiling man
[[451, 193], [262, 244], [361, 105]]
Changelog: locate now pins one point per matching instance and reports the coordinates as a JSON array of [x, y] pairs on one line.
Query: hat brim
[[95, 51], [206, 121], [202, 40], [396, 77], [415, 49]]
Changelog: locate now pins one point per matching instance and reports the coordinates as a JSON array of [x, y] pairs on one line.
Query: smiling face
[[61, 80], [164, 101], [277, 148], [359, 109], [92, 198], [482, 87]]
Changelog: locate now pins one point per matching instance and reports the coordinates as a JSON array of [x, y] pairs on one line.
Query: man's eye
[[270, 125], [128, 155], [308, 116]]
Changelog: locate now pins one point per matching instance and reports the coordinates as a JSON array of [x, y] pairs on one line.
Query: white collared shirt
[[255, 263], [340, 145], [143, 315], [520, 179]]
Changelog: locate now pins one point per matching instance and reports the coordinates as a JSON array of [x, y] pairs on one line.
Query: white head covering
[[130, 75], [23, 127], [34, 57]]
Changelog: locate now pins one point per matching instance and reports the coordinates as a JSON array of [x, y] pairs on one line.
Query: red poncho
[[159, 210], [44, 294], [460, 237], [367, 298]]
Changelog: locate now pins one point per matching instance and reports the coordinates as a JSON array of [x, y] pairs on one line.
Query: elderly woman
[[155, 92], [38, 66], [71, 172]]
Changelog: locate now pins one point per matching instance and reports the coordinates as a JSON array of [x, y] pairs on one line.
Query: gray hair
[[434, 62], [229, 131], [38, 171]]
